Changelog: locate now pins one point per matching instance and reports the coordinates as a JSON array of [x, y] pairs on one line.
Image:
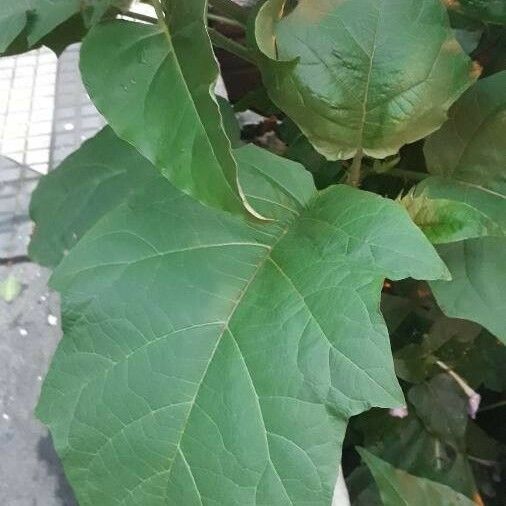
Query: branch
[[18, 259], [219, 40]]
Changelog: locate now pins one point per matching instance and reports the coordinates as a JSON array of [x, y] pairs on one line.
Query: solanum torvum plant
[[221, 294]]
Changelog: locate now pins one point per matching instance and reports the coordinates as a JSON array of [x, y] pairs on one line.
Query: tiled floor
[[45, 114], [27, 91], [75, 117]]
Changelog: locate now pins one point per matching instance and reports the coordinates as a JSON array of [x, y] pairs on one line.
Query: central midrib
[[368, 82], [244, 291]]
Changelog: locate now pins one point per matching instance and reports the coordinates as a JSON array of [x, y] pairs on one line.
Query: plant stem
[[474, 398], [231, 10], [499, 404], [140, 17], [483, 462], [223, 19], [354, 172], [15, 260], [153, 21], [408, 174], [157, 4], [229, 45]]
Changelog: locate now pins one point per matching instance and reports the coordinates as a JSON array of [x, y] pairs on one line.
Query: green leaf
[[490, 11], [411, 445], [202, 361], [10, 288], [398, 487], [470, 145], [12, 21], [42, 16], [476, 291], [368, 75], [413, 363], [442, 407], [445, 221], [484, 363], [469, 154], [98, 177], [155, 86]]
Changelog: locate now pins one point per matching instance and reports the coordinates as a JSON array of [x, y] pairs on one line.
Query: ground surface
[[44, 115], [30, 472]]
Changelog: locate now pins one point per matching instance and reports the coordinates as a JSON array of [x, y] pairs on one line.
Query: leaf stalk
[[356, 166], [224, 20], [219, 40], [140, 17]]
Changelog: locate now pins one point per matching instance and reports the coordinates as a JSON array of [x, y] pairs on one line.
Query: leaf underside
[[209, 360]]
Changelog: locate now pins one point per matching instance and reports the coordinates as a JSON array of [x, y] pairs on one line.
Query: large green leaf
[[468, 155], [367, 75], [155, 86], [397, 487], [207, 359], [45, 15], [89, 183]]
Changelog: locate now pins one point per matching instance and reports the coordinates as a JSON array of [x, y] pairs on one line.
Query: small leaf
[[442, 406], [368, 75], [398, 487], [484, 363], [155, 86], [10, 288], [444, 221], [201, 357], [409, 445]]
